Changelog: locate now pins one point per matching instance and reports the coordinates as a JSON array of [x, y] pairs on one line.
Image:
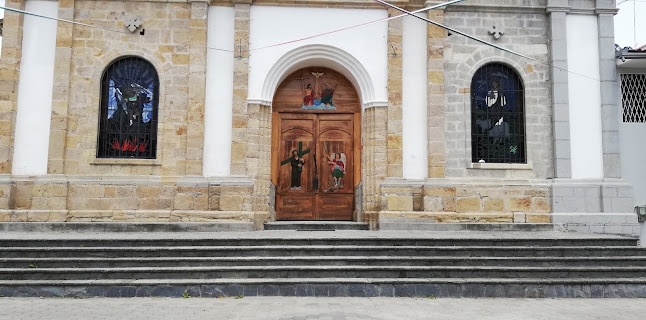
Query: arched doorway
[[316, 146]]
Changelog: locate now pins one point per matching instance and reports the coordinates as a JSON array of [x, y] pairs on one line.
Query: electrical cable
[[59, 19], [343, 29], [483, 41]]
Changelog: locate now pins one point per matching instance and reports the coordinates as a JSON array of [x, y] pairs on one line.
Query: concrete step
[[246, 272], [305, 251], [390, 224], [332, 287], [316, 225], [125, 226], [618, 261], [298, 241]]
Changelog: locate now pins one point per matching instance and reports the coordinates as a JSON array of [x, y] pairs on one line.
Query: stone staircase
[[321, 263]]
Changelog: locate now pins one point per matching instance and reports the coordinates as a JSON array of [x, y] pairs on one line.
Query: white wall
[[584, 96], [219, 92], [31, 145], [272, 25], [633, 150], [633, 158], [414, 84]]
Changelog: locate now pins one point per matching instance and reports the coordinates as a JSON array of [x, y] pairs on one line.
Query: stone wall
[[445, 200], [395, 135], [57, 198], [525, 33], [9, 74]]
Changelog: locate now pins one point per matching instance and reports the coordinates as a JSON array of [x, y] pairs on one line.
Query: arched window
[[497, 115], [128, 116]]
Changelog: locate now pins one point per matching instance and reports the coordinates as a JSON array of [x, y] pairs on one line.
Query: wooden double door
[[315, 165]]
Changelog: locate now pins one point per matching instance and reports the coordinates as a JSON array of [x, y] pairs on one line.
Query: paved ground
[[322, 308]]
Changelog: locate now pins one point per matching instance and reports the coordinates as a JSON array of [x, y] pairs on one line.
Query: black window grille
[[128, 116], [633, 96], [497, 115]]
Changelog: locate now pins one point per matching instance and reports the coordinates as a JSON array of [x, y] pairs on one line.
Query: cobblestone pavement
[[289, 308]]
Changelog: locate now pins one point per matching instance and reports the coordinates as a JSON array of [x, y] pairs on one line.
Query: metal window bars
[[128, 116], [633, 96], [497, 115]]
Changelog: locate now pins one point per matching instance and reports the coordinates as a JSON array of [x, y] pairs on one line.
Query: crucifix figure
[[297, 162], [317, 88]]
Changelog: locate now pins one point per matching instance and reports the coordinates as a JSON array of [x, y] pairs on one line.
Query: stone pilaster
[[395, 47], [259, 154], [61, 90], [197, 88], [375, 131], [9, 74], [240, 90], [610, 108], [436, 141], [560, 98]]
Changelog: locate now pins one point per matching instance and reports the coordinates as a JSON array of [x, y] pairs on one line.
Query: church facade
[[263, 110]]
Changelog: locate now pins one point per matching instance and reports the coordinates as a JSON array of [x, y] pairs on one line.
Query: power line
[[482, 41], [343, 29], [61, 20]]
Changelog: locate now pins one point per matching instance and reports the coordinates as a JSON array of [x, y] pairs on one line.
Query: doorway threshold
[[316, 225]]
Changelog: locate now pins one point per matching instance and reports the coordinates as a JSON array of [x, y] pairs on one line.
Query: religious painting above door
[[318, 91]]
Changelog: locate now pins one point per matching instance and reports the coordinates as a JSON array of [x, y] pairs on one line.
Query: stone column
[[375, 131], [197, 88], [395, 50], [560, 98], [9, 75], [435, 65], [60, 97], [240, 88]]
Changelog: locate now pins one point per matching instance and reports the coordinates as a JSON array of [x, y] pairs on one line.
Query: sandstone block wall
[[124, 199], [448, 201]]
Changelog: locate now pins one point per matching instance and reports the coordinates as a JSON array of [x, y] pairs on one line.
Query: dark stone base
[[424, 290]]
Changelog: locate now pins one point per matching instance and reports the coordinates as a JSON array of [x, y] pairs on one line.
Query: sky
[[631, 18]]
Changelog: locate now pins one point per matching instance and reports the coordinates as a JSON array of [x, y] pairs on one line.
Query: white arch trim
[[323, 56]]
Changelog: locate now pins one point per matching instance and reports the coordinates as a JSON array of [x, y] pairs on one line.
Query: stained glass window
[[497, 115], [128, 117]]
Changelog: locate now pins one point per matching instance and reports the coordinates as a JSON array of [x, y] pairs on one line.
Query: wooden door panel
[[295, 206], [294, 191], [328, 138], [290, 182], [335, 201], [336, 174], [335, 206]]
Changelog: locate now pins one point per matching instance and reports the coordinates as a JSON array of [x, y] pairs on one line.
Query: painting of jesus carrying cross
[[296, 160]]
